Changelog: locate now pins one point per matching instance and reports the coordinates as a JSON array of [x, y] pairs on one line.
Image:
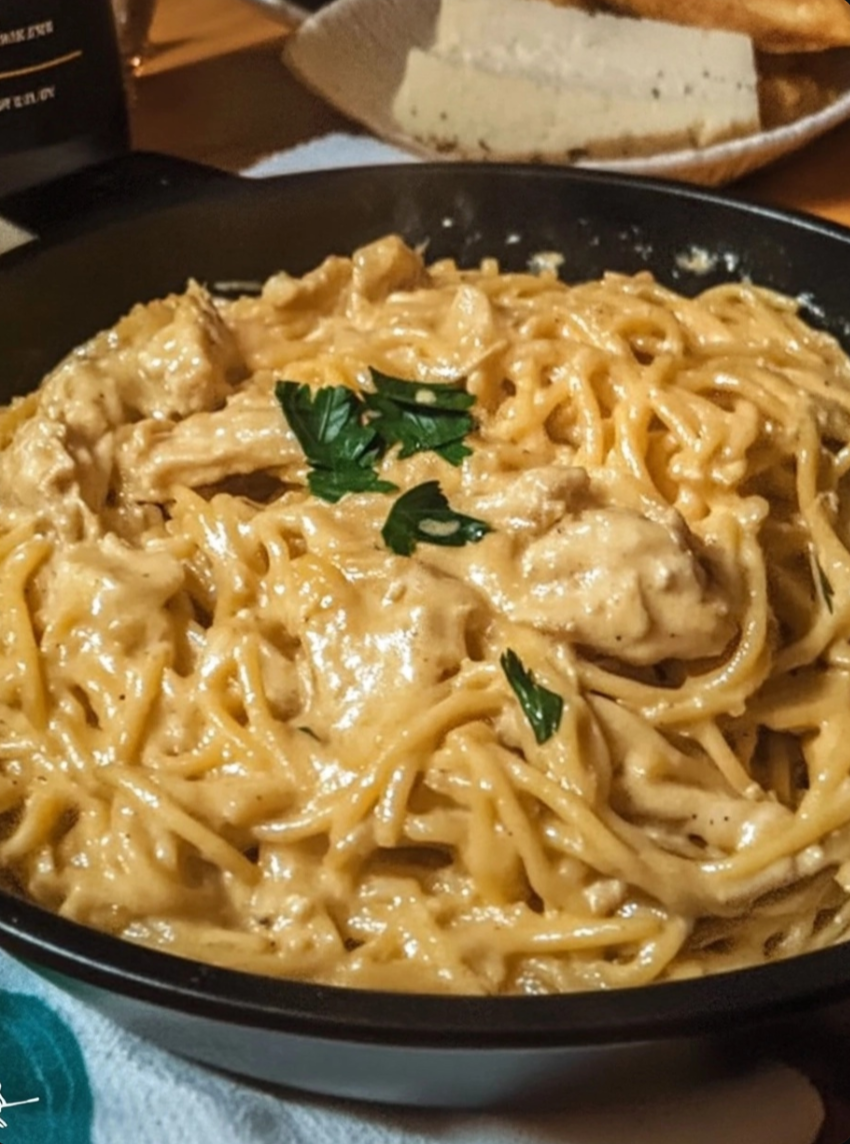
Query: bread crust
[[775, 26]]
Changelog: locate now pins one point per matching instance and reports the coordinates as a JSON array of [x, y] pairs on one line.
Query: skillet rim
[[714, 1004], [182, 190], [652, 1012]]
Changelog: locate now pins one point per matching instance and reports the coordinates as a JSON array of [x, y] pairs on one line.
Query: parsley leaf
[[419, 394], [543, 708], [344, 435], [422, 515], [421, 416], [342, 451], [826, 588], [332, 484]]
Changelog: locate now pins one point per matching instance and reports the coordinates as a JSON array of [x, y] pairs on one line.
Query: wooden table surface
[[214, 90]]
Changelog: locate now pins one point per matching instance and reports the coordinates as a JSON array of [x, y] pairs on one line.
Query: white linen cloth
[[135, 1091], [338, 149], [86, 1081]]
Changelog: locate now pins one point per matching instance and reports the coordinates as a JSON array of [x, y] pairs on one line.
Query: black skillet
[[451, 1051]]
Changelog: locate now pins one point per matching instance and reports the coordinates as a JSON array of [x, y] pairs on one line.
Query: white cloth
[[12, 235], [105, 1086], [139, 1091], [335, 150]]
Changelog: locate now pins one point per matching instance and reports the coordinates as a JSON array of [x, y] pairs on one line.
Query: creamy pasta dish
[[408, 627]]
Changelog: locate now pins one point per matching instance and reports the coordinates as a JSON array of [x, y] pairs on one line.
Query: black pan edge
[[55, 293], [717, 1004], [162, 182]]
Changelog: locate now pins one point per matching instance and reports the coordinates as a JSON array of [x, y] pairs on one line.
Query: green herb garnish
[[826, 589], [422, 515], [344, 435], [543, 708], [341, 449], [421, 417]]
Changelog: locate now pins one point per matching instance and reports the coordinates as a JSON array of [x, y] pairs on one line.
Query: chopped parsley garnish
[[344, 434], [341, 449], [826, 589], [421, 417], [422, 515], [543, 708]]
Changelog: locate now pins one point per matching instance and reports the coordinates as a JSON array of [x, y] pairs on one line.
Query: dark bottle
[[62, 97]]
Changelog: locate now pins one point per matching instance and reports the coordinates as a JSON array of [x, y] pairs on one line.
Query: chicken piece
[[36, 468], [624, 585], [105, 597], [534, 500], [374, 271], [317, 292], [375, 627], [248, 435], [385, 266], [468, 332], [611, 579], [167, 359], [270, 329], [170, 358]]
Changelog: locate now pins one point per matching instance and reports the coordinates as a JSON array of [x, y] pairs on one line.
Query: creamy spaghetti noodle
[[552, 693]]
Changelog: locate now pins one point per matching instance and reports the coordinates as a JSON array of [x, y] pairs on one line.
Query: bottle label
[[28, 86], [61, 85]]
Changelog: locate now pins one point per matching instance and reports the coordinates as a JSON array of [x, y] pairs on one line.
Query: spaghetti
[[431, 629]]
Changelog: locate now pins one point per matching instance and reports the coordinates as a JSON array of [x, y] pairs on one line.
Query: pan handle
[[94, 196]]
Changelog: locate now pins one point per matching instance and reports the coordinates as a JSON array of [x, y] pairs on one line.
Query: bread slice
[[524, 78], [772, 25]]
